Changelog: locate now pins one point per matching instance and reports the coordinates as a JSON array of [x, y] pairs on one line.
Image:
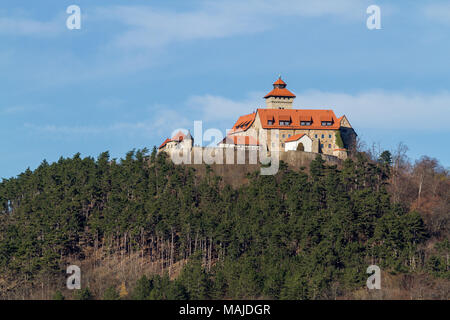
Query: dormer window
[[326, 120], [305, 120], [284, 120], [270, 122]]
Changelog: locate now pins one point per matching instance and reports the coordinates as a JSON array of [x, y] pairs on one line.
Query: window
[[283, 135], [329, 136], [270, 122], [284, 123], [323, 136], [289, 135], [305, 123], [326, 123], [282, 144], [329, 146], [315, 136], [321, 145]]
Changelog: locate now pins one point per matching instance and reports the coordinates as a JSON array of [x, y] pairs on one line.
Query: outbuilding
[[300, 142]]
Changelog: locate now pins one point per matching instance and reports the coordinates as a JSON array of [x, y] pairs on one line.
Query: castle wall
[[325, 144], [233, 156]]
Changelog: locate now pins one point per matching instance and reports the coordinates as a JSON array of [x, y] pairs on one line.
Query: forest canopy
[[296, 235]]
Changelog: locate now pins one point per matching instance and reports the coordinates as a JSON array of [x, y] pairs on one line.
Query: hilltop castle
[[285, 128]]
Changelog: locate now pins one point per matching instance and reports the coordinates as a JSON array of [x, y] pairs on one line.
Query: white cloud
[[150, 27], [366, 110], [346, 9], [17, 109], [385, 110], [217, 108], [154, 126], [18, 26], [438, 12], [369, 109], [155, 28]]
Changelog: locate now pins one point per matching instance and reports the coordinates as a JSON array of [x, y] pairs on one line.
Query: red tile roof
[[280, 92], [279, 81], [284, 117], [305, 117], [179, 136], [243, 123], [241, 140], [295, 137], [295, 116], [164, 143]]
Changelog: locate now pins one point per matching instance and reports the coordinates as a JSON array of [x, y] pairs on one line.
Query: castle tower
[[188, 141], [279, 97]]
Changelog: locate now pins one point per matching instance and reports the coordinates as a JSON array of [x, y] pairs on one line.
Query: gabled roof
[[279, 81], [241, 140], [280, 92], [296, 116], [164, 143], [179, 136], [295, 137], [243, 123]]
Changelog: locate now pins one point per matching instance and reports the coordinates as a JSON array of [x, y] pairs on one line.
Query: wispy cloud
[[150, 27], [20, 26], [369, 109], [156, 125], [366, 110], [384, 109], [16, 109], [217, 108], [438, 12]]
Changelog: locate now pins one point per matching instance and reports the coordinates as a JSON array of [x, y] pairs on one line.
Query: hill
[[150, 229]]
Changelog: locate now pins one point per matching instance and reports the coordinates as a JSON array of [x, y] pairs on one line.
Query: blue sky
[[137, 70]]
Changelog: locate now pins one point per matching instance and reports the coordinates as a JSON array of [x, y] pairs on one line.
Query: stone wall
[[235, 172], [299, 159]]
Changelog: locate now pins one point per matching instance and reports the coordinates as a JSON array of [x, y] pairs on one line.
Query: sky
[[138, 70]]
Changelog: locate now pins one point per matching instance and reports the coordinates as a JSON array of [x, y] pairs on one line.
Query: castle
[[285, 129]]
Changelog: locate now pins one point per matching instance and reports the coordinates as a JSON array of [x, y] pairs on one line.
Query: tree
[[293, 235], [58, 295], [194, 278], [111, 294], [385, 158], [142, 289], [83, 294], [123, 291]]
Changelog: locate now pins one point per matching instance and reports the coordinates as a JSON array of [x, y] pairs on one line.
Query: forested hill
[[296, 235]]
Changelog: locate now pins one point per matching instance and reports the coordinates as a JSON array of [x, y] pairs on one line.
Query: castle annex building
[[286, 129]]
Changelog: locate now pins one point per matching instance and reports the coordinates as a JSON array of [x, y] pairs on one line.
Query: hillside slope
[[296, 235]]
